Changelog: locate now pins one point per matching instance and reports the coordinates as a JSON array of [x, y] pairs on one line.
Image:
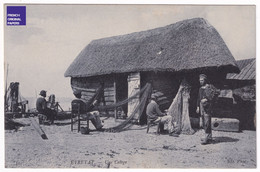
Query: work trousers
[[49, 113], [166, 120], [206, 122], [95, 119]]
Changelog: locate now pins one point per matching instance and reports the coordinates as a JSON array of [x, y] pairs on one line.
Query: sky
[[39, 53]]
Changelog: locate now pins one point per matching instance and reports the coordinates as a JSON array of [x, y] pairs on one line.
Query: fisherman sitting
[[153, 112], [41, 106], [86, 110]]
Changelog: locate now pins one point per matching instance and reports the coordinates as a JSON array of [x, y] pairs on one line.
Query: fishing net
[[13, 97], [98, 95], [139, 108], [179, 109], [118, 104]]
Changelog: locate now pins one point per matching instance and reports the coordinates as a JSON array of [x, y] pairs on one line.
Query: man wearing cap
[[154, 113], [86, 109], [41, 106], [206, 97]]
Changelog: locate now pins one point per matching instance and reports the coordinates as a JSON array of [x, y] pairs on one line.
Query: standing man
[[41, 106], [86, 110], [153, 112], [206, 96]]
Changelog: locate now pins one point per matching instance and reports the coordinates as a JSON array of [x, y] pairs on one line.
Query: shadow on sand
[[62, 123], [217, 140]]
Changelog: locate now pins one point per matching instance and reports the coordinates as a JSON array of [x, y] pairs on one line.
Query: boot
[[98, 123], [206, 141], [93, 121], [161, 126], [174, 134]]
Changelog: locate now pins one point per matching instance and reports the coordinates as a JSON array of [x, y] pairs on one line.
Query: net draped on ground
[[179, 109]]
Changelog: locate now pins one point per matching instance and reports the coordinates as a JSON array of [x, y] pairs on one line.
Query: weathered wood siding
[[89, 86], [164, 84]]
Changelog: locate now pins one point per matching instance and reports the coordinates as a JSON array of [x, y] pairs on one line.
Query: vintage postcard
[[129, 86]]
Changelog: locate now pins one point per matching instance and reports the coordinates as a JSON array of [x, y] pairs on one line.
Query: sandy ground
[[129, 149]]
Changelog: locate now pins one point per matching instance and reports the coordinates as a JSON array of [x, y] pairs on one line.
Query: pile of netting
[[139, 108], [179, 110]]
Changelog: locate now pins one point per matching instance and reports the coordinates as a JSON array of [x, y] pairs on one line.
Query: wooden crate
[[225, 124]]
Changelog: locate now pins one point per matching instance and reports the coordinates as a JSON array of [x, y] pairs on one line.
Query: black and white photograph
[[129, 86]]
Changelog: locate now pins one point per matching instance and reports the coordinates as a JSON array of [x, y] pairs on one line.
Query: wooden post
[[38, 128], [71, 120], [6, 105], [115, 96], [78, 122]]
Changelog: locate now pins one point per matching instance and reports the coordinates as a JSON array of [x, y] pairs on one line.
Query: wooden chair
[[78, 118], [150, 123]]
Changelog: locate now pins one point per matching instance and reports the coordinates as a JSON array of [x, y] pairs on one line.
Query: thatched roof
[[185, 45], [247, 67]]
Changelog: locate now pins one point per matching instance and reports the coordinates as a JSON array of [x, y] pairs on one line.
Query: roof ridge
[[190, 44], [179, 23]]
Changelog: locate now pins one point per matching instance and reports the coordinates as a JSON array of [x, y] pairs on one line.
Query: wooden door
[[133, 87]]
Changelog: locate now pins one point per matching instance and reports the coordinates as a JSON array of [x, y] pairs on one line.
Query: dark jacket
[[41, 104], [153, 111], [209, 92]]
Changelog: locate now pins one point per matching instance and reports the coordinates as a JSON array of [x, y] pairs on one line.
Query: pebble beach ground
[[133, 148]]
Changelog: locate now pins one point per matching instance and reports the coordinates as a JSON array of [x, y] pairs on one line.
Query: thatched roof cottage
[[161, 56]]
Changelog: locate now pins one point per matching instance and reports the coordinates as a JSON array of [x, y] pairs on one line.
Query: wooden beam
[[109, 89], [88, 93], [38, 128], [109, 102], [84, 89], [107, 96], [110, 98], [115, 96], [109, 93]]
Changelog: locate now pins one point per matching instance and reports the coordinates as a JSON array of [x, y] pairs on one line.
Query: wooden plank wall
[[165, 85], [109, 94], [89, 85]]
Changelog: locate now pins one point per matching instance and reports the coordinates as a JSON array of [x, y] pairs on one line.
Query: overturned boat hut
[[242, 93], [247, 75], [162, 57]]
